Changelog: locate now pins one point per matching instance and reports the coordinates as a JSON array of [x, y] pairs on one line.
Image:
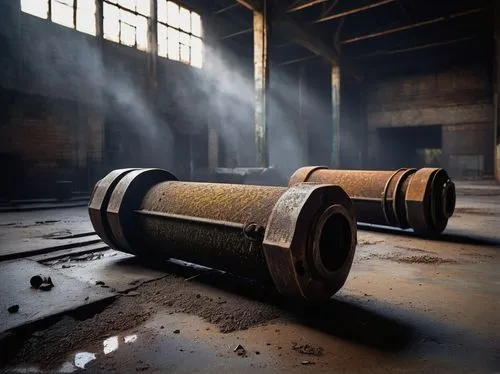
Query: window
[[179, 34], [126, 22], [64, 12]]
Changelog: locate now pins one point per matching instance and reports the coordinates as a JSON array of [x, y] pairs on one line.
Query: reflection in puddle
[[130, 339], [110, 344], [83, 358]]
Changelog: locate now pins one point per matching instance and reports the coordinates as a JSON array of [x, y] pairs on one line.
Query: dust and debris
[[307, 349], [369, 241], [426, 259], [475, 211], [175, 296], [305, 362]]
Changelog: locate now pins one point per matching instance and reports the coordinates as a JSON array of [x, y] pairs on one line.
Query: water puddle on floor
[[82, 360], [109, 345]]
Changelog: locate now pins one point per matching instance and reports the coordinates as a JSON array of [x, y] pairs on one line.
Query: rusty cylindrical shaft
[[302, 239], [422, 199]]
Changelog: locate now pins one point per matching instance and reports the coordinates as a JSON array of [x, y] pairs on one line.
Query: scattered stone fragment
[[307, 363], [99, 283], [66, 266], [162, 327], [240, 350], [13, 309], [177, 331], [37, 281]]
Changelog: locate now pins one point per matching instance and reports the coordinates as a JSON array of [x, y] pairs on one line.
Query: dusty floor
[[409, 305]]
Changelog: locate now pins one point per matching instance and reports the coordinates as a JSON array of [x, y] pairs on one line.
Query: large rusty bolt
[[422, 199], [301, 239]]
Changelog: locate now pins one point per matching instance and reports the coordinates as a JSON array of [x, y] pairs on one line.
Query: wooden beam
[[290, 62], [252, 5], [335, 81], [412, 26], [241, 32], [496, 91], [225, 9], [261, 79], [298, 32], [353, 11], [417, 47], [308, 4]]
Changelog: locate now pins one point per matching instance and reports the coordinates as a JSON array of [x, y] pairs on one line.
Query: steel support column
[[99, 18], [153, 43], [261, 78], [335, 158], [302, 117], [496, 90]]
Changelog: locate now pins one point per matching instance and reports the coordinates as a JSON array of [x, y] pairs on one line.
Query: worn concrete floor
[[409, 305]]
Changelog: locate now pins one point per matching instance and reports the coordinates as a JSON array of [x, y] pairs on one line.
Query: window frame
[[180, 31], [120, 21]]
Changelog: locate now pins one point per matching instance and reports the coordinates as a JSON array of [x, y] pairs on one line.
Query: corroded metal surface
[[267, 233], [422, 199]]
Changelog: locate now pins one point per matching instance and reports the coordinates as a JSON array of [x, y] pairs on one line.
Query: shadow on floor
[[445, 237], [343, 319]]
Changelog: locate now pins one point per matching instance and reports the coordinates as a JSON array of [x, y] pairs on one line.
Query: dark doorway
[[418, 146]]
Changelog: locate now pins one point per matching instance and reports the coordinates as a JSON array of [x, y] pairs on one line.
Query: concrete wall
[[458, 100]]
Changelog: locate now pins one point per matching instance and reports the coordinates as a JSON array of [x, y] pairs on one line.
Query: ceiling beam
[[353, 11], [412, 26], [225, 9], [416, 47], [299, 33], [290, 62], [307, 4], [241, 32]]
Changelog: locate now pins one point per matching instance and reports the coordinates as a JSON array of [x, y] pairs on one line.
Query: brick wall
[[458, 100], [42, 141]]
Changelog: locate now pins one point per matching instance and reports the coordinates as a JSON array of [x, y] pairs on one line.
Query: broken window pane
[[173, 14], [62, 12], [143, 7], [195, 24], [129, 4], [185, 40], [162, 40], [142, 33], [127, 34], [162, 11], [85, 21], [111, 25], [36, 7], [85, 16], [185, 19], [196, 52], [173, 44]]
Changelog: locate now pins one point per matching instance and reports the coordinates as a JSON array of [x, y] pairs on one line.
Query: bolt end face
[[99, 201], [430, 200], [310, 241], [108, 196]]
